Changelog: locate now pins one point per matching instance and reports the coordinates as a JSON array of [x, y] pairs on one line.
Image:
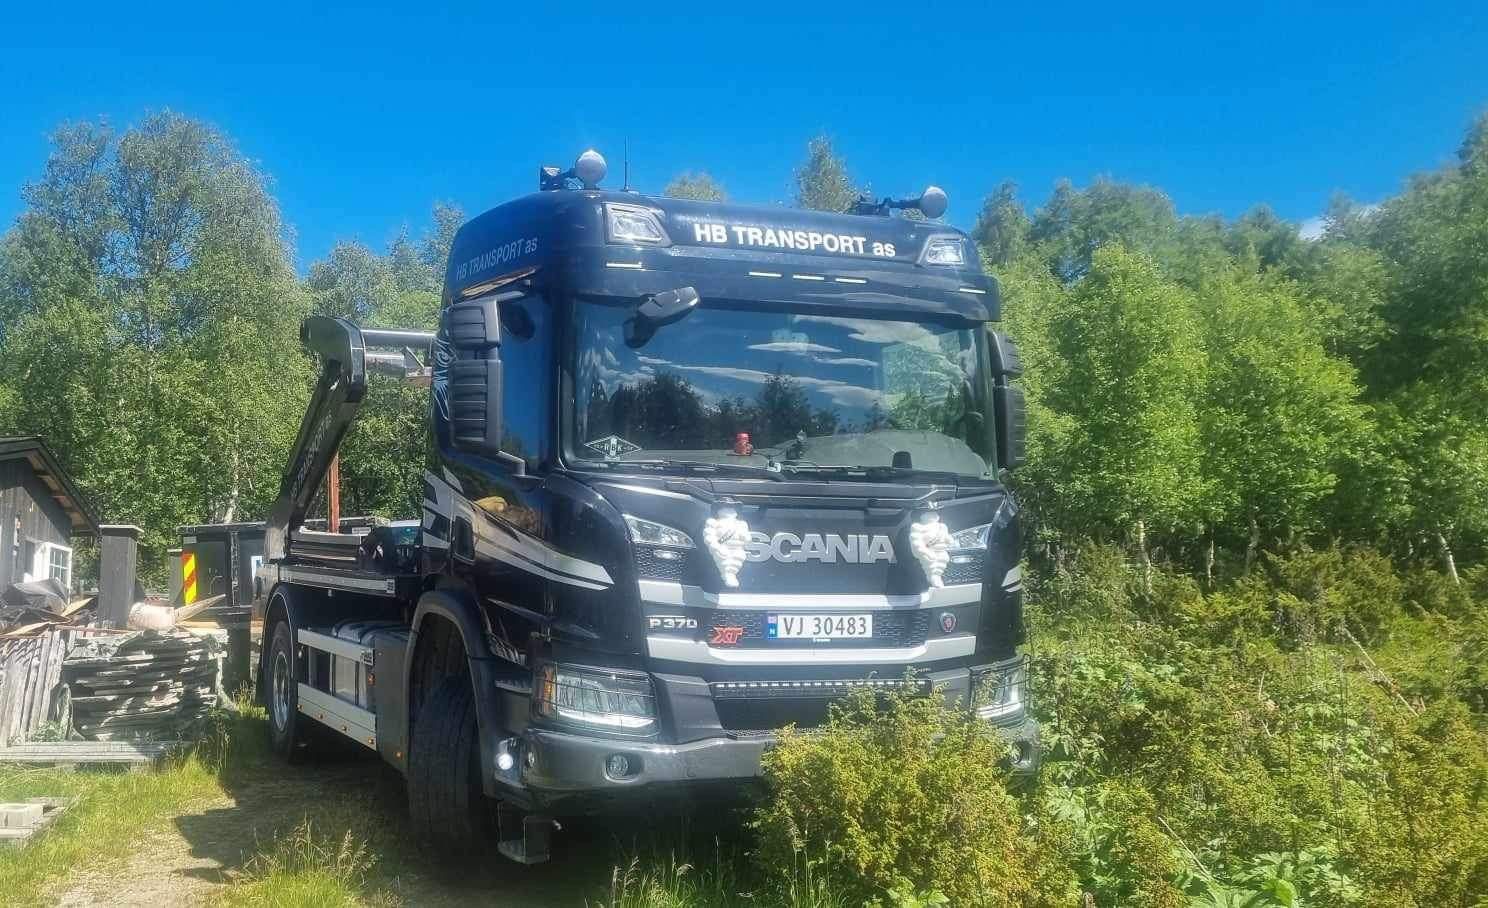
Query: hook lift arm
[[344, 360]]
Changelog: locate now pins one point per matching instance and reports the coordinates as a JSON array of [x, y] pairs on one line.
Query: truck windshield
[[778, 390]]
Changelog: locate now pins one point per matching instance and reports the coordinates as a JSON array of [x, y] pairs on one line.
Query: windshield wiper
[[868, 472], [696, 466]]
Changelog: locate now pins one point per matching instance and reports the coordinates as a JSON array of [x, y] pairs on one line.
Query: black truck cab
[[697, 470]]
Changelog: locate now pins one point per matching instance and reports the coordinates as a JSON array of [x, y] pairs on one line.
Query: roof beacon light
[[590, 168], [932, 203]]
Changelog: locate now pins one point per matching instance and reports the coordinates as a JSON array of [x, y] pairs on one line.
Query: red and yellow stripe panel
[[188, 576]]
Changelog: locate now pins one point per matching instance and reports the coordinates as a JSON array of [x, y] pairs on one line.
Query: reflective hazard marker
[[188, 577]]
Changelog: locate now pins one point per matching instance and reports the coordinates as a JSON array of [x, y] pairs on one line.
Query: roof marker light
[[634, 225], [944, 249]]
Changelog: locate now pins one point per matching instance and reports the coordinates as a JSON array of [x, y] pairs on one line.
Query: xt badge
[[726, 636]]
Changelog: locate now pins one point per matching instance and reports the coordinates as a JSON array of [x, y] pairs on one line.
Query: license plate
[[818, 627]]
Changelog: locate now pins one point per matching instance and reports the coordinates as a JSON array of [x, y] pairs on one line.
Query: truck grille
[[890, 629]]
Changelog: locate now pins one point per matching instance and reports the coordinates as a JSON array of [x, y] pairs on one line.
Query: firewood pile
[[149, 685]]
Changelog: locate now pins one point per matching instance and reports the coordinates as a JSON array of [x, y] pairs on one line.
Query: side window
[[526, 378]]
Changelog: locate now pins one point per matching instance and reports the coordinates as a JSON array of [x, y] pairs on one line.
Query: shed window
[[59, 564], [48, 559]]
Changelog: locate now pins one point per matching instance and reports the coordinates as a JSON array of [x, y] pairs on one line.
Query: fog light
[[505, 760], [617, 766]]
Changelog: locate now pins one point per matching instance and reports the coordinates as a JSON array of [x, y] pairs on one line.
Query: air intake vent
[[472, 406]]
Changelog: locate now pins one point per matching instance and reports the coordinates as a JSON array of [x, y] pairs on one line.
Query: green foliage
[[1127, 360], [1278, 414], [148, 301], [1075, 224], [1216, 749], [905, 797], [822, 182], [698, 186]]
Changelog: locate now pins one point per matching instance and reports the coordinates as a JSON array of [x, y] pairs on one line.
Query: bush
[[1099, 584], [1434, 593], [1237, 748], [1322, 594], [1426, 843], [905, 796]]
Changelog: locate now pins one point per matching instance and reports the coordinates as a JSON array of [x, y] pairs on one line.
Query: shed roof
[[45, 465]]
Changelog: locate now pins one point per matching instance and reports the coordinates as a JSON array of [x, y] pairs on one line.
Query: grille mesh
[[970, 572], [653, 568]]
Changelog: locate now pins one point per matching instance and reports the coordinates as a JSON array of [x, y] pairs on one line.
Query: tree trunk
[[1253, 545], [235, 491], [1446, 553], [1209, 562], [1146, 557]]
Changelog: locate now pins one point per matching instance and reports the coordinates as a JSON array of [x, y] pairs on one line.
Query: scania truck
[[696, 470]]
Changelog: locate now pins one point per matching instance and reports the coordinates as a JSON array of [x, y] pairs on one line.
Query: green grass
[[306, 867], [116, 807], [113, 810]]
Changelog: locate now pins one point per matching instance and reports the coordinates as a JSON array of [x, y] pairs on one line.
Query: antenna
[[626, 181]]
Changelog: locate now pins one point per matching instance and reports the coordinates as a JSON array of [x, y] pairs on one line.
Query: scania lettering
[[789, 547], [695, 471]]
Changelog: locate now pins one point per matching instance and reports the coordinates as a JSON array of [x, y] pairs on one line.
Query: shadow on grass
[[346, 795]]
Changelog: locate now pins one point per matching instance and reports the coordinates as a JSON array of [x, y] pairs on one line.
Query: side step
[[337, 685], [358, 724]]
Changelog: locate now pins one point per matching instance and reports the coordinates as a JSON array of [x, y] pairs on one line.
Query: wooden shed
[[41, 511]]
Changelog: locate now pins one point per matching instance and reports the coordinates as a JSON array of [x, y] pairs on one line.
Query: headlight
[[968, 544], [998, 693], [649, 532], [944, 250], [593, 697], [634, 224]]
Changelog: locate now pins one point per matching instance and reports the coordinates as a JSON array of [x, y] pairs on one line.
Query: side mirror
[[1012, 426], [1008, 401], [660, 309]]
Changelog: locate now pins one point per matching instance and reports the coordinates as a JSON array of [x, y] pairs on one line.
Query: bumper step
[[526, 838]]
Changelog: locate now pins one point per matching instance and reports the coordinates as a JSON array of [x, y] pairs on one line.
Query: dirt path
[[199, 853]]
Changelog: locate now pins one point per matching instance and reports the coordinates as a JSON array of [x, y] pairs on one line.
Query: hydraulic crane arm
[[344, 361]]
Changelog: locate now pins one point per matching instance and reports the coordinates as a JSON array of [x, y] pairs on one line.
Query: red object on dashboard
[[742, 445]]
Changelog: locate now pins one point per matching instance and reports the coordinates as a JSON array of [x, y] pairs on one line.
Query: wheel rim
[[281, 690]]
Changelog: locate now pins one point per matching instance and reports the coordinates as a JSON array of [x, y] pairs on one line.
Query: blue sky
[[364, 115]]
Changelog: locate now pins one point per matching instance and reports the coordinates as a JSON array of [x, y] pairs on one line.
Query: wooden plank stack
[[149, 685], [30, 674]]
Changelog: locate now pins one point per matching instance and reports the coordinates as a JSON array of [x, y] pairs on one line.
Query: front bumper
[[555, 769]]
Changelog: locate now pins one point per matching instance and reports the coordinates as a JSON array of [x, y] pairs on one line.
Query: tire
[[287, 728], [447, 807]]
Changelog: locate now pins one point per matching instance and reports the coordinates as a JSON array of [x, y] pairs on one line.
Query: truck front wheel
[[449, 810], [286, 727]]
